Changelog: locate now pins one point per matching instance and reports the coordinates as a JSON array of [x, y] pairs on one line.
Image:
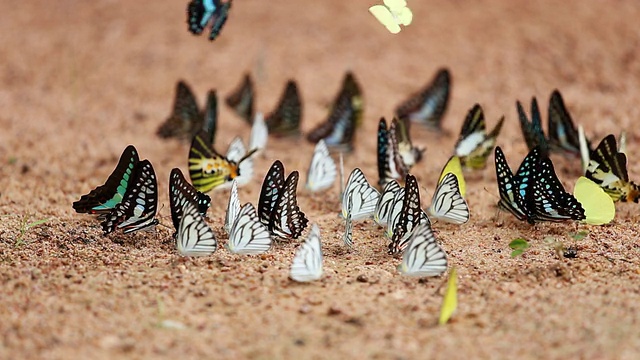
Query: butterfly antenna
[[248, 155], [341, 176]]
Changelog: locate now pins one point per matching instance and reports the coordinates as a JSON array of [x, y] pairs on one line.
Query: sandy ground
[[81, 80]]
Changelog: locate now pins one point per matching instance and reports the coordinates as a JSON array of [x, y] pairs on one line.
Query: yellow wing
[[385, 17], [453, 166], [450, 300], [598, 205]]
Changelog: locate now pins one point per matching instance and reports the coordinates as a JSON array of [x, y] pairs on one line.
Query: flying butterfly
[[608, 168], [180, 193], [322, 170], [307, 263], [428, 106], [386, 202], [103, 199], [474, 144], [360, 196], [139, 206], [241, 100], [338, 131], [233, 207], [562, 133], [201, 12], [259, 134], [423, 256], [392, 14], [285, 119], [447, 203], [410, 217], [271, 185], [248, 235], [532, 130], [207, 168], [287, 221], [599, 208], [410, 154]]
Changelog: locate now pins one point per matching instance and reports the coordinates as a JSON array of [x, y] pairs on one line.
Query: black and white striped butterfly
[[193, 236], [181, 192], [410, 217], [287, 221], [386, 202], [391, 165], [271, 185], [200, 12], [550, 200], [423, 256], [248, 235], [307, 263], [347, 237], [322, 170], [138, 208], [233, 207], [395, 212], [241, 100], [360, 195], [447, 203], [428, 106]]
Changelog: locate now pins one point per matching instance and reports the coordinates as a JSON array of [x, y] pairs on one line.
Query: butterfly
[[104, 198], [271, 185], [423, 256], [235, 153], [233, 207], [322, 170], [347, 237], [513, 188], [386, 202], [391, 165], [307, 263], [532, 130], [193, 236], [454, 166], [248, 235], [562, 135], [285, 119], [138, 208], [474, 144], [287, 221], [360, 196], [338, 131], [241, 100], [608, 168], [447, 203], [210, 122], [551, 201], [259, 134], [200, 12], [180, 193], [450, 299], [585, 153], [410, 154], [410, 216], [392, 14], [208, 169], [428, 106], [598, 206], [395, 212], [186, 119]]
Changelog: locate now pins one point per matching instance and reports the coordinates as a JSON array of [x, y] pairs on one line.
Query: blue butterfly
[[200, 12]]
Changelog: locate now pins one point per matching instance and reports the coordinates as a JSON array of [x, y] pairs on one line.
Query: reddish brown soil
[[81, 80]]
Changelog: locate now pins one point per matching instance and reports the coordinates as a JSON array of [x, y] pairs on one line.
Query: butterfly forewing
[[423, 256], [233, 207], [562, 133], [287, 221], [360, 195], [248, 235], [210, 123], [385, 203], [410, 216], [447, 203], [322, 170], [271, 185], [307, 263]]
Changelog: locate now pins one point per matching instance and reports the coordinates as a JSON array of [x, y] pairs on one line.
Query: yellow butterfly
[[207, 168], [392, 14], [450, 300], [453, 166], [598, 205]]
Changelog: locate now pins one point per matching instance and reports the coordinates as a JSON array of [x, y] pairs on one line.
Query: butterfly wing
[[532, 131], [410, 216], [180, 193], [563, 135], [322, 170], [347, 237], [241, 100], [210, 124], [454, 167], [219, 18], [259, 134], [428, 106], [382, 149], [598, 206], [185, 120], [285, 119], [271, 185], [508, 187], [552, 202], [248, 235], [207, 168], [385, 17], [395, 212], [104, 198], [194, 237], [199, 12], [423, 256], [360, 195], [385, 203], [287, 221], [233, 207], [307, 263], [448, 204]]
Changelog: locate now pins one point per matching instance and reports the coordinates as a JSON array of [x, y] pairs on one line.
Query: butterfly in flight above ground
[[392, 14], [201, 12]]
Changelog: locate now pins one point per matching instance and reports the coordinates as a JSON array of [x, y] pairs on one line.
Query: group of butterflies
[[201, 13]]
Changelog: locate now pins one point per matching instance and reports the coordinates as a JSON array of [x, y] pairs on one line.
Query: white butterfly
[[347, 237], [447, 203], [235, 152], [307, 263], [392, 14], [423, 256], [322, 170], [360, 195], [395, 211], [233, 207], [259, 134], [584, 149], [194, 237], [248, 235], [386, 202]]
